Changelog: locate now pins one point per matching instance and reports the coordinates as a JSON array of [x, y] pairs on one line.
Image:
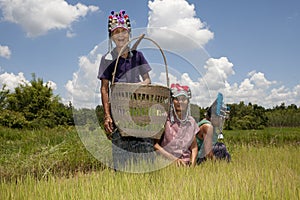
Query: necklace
[[186, 115]]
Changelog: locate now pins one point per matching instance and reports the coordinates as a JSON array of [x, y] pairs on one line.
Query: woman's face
[[180, 103], [120, 36]]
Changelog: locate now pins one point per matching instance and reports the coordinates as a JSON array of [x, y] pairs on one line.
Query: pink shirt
[[178, 138]]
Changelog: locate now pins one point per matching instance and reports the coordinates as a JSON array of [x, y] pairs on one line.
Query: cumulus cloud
[[260, 80], [82, 90], [175, 19], [5, 52], [255, 88], [218, 71], [37, 17], [51, 85], [11, 81]]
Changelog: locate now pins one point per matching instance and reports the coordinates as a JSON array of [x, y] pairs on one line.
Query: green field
[[53, 164]]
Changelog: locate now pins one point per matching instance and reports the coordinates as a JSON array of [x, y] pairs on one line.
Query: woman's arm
[[108, 122], [179, 162], [146, 79], [208, 130], [164, 152], [194, 149]]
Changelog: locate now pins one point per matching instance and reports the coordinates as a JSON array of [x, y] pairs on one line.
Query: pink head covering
[[178, 90]]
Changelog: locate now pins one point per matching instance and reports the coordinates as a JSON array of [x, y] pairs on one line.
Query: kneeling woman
[[178, 143]]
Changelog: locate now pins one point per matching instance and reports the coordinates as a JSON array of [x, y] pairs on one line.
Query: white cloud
[[37, 17], [51, 85], [5, 52], [178, 16], [70, 34], [82, 90], [205, 88], [279, 94], [12, 81], [296, 93], [260, 80], [255, 88], [218, 71]]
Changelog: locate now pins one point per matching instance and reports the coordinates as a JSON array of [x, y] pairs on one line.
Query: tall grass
[[41, 153], [254, 173], [266, 137], [54, 164]]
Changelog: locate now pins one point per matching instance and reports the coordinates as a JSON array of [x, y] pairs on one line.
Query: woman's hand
[[180, 162], [108, 124]]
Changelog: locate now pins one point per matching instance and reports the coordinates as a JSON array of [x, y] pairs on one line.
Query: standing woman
[[132, 68]]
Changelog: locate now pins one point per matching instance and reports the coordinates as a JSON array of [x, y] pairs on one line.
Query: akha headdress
[[179, 90], [118, 20]]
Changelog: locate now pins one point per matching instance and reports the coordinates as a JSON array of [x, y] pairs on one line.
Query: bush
[[12, 119]]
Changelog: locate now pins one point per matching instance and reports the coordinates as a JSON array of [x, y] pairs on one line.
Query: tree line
[[34, 106]]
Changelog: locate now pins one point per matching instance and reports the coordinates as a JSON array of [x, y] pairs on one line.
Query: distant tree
[[100, 115], [246, 116], [3, 96], [280, 116], [35, 104]]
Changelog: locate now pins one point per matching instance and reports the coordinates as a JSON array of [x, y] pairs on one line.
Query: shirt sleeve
[[105, 69], [196, 127], [143, 63]]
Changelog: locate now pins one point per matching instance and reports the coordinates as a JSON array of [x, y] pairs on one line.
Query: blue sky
[[252, 46]]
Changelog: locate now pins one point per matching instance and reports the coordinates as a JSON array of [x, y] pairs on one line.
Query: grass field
[[54, 164]]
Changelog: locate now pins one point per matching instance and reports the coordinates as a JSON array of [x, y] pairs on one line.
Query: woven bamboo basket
[[140, 110]]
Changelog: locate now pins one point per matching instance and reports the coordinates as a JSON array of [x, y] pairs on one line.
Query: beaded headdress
[[118, 20]]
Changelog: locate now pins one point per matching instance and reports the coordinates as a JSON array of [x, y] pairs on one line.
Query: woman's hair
[[208, 113]]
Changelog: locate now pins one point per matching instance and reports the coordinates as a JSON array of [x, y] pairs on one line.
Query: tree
[[246, 116], [3, 96], [36, 103]]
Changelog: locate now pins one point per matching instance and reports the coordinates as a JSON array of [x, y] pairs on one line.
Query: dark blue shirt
[[128, 70]]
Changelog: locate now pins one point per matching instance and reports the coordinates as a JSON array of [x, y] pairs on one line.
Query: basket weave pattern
[[140, 110]]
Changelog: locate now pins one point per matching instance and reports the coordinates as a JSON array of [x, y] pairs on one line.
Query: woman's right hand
[[180, 162], [108, 124]]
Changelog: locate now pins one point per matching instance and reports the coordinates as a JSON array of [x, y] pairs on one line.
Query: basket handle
[[139, 39]]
